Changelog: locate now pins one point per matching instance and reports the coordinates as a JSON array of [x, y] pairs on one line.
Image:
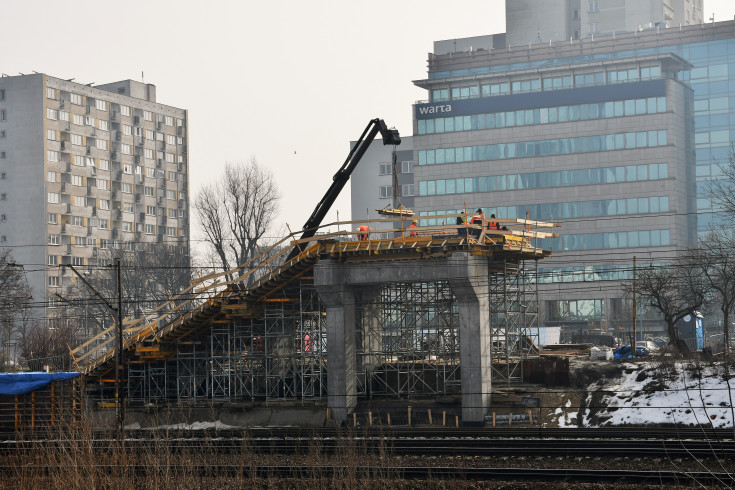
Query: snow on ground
[[653, 393], [193, 426]]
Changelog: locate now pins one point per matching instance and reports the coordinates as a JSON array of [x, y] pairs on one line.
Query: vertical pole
[[635, 307], [53, 404], [119, 367]]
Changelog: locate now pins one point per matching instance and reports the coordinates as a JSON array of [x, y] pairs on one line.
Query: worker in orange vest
[[477, 220], [365, 232], [492, 224], [412, 229]]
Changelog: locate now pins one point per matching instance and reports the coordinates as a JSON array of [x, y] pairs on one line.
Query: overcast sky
[[288, 82]]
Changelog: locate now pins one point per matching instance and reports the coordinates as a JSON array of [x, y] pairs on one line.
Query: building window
[[54, 239], [76, 139], [103, 125], [126, 149], [51, 177], [386, 191], [54, 198], [407, 190], [3, 115], [50, 93], [148, 153], [148, 115], [172, 213], [103, 224], [575, 14], [170, 231], [77, 221], [385, 168], [127, 188], [104, 203], [150, 229], [89, 120], [125, 110], [53, 260], [77, 261], [63, 116], [53, 156], [53, 281], [149, 191], [77, 180], [80, 241], [594, 28], [51, 135], [2, 94], [149, 134], [100, 104], [52, 114], [150, 210], [53, 219], [171, 194], [127, 226], [77, 119], [407, 167], [127, 130], [2, 155], [76, 99], [104, 165], [150, 172], [80, 201], [170, 139], [3, 218], [101, 144], [128, 207], [2, 134], [594, 6], [103, 184], [170, 158], [127, 168], [169, 121]]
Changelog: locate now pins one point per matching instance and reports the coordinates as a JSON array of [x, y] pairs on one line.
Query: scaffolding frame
[[514, 317], [408, 340]]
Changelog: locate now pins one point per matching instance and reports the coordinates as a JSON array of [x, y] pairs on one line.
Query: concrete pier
[[337, 283]]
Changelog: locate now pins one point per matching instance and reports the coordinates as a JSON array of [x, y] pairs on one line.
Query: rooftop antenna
[[538, 36], [712, 18], [142, 78]]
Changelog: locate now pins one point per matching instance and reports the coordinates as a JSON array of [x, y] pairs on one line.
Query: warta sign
[[429, 110]]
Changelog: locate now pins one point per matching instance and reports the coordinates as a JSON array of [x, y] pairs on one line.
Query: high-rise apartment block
[[85, 168]]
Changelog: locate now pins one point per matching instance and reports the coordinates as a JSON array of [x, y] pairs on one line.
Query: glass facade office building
[[614, 138]]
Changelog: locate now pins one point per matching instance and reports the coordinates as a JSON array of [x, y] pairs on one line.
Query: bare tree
[[150, 275], [715, 259], [15, 296], [236, 213], [675, 291], [722, 189]]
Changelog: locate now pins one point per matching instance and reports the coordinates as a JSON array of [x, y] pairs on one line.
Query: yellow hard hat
[[414, 221]]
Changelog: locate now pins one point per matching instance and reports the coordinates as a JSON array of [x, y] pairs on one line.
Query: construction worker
[[461, 227], [492, 224], [412, 229], [477, 220], [365, 232]]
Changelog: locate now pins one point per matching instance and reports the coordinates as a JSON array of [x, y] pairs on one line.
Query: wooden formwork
[[55, 405]]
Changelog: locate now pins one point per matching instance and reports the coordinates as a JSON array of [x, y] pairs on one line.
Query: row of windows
[[103, 164], [622, 239], [545, 83], [550, 115], [541, 180], [103, 105], [552, 275], [386, 168], [386, 191], [126, 188], [565, 210], [561, 146]]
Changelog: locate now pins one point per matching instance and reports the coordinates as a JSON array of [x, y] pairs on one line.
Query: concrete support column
[[341, 361], [472, 295], [372, 332]]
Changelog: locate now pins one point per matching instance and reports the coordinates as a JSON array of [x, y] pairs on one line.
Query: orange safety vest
[[410, 231], [363, 236]]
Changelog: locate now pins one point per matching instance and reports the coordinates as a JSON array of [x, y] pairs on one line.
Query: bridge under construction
[[445, 311]]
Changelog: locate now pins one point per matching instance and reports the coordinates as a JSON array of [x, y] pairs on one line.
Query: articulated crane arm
[[375, 126]]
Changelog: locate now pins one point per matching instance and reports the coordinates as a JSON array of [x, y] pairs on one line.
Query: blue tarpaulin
[[21, 383]]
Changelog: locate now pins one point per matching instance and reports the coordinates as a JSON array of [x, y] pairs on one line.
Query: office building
[[613, 137], [371, 185], [84, 168], [541, 21]]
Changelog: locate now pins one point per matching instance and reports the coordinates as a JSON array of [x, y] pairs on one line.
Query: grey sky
[[289, 82]]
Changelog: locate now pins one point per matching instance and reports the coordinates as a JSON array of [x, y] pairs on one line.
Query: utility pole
[[635, 308], [119, 413]]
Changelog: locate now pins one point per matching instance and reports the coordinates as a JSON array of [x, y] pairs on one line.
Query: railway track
[[431, 473]]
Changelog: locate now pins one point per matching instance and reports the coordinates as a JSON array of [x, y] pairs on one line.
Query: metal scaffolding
[[408, 340], [279, 356], [514, 318]]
